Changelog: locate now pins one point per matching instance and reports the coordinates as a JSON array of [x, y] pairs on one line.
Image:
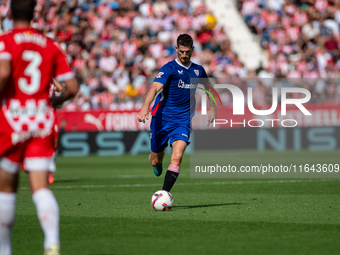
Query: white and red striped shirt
[[198, 22], [145, 9], [321, 5], [40, 23], [129, 49], [162, 61], [51, 13], [294, 74], [104, 11], [301, 66], [124, 22], [79, 63], [287, 49], [249, 7], [106, 80], [54, 22], [272, 65], [273, 48], [98, 23], [183, 22], [93, 82], [290, 9], [4, 10], [279, 34], [272, 18], [219, 35], [285, 21], [300, 18], [108, 64], [105, 99], [293, 32], [156, 50], [115, 47], [310, 74]]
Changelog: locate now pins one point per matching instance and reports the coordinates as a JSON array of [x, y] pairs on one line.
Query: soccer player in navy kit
[[173, 109]]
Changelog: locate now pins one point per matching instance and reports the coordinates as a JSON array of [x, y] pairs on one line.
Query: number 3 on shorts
[[32, 70]]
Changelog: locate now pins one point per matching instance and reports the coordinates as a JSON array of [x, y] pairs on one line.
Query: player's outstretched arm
[[58, 85], [212, 112], [5, 71], [150, 96], [71, 89]]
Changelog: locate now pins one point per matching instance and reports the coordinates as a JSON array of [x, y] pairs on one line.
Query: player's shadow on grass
[[201, 206]]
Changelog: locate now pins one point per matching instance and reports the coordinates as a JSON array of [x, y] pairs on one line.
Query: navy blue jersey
[[176, 101]]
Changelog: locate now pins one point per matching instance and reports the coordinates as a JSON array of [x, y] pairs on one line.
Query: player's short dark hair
[[23, 9], [185, 40]]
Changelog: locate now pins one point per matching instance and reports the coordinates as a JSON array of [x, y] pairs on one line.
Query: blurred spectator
[[302, 39], [117, 47]]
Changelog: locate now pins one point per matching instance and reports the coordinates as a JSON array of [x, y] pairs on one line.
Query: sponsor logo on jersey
[[159, 75], [2, 46], [180, 72], [197, 72], [182, 85], [19, 137]]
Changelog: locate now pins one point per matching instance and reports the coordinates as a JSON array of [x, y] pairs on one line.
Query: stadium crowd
[[302, 40], [116, 47]]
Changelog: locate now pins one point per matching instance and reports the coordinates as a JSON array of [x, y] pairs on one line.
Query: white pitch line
[[113, 177], [186, 184]]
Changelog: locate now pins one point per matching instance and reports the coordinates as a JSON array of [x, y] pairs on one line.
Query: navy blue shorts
[[161, 131]]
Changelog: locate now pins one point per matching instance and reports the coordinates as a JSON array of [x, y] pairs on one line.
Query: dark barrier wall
[[279, 139], [103, 143]]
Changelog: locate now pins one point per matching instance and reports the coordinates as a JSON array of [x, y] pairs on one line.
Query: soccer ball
[[162, 200]]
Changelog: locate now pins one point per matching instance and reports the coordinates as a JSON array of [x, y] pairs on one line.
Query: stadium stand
[[115, 47], [302, 40], [302, 37]]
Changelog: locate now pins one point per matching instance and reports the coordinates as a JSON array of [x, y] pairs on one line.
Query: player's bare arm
[[71, 89], [5, 71], [212, 112], [58, 85], [150, 96]]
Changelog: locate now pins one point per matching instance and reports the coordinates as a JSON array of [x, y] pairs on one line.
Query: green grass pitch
[[105, 209]]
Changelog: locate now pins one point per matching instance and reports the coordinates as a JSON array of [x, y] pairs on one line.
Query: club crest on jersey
[[197, 72], [180, 72], [159, 75]]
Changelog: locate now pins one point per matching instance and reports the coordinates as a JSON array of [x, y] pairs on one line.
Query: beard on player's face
[[184, 53]]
